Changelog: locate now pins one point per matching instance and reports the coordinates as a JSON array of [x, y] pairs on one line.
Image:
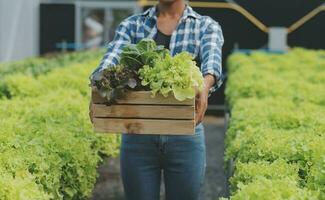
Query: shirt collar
[[188, 12]]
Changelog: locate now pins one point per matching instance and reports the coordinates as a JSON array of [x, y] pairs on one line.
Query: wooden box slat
[[144, 126], [138, 112], [143, 111], [142, 97]]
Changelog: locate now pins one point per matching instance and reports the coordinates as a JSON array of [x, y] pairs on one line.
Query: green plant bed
[[34, 67], [276, 134], [48, 148], [40, 65]]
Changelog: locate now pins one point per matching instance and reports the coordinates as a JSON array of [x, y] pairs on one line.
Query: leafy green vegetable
[[153, 66], [34, 67], [278, 189], [36, 163], [276, 135], [178, 74], [113, 82], [142, 53]]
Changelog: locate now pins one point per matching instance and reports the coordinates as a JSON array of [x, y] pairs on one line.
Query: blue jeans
[[180, 159]]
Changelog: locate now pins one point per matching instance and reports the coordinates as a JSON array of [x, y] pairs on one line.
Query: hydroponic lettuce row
[[146, 66], [48, 149], [34, 67], [41, 65], [276, 134]]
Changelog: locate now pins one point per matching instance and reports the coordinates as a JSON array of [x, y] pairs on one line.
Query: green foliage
[[178, 74], [153, 66], [276, 134], [114, 81], [295, 76], [144, 52], [34, 67], [73, 77], [22, 186], [41, 65], [278, 189], [249, 172], [48, 149]]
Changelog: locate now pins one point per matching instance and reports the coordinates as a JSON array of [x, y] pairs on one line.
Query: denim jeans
[[180, 159]]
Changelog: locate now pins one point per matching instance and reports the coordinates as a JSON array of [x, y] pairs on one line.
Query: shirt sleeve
[[211, 52], [114, 48]]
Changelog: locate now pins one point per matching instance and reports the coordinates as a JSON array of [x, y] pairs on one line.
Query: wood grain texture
[[143, 111], [138, 112], [144, 126], [142, 97]]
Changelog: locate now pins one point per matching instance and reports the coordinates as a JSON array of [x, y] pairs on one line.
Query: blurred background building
[[36, 27]]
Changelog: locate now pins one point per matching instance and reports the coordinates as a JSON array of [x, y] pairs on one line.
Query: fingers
[[200, 111], [197, 111], [199, 117], [197, 101]]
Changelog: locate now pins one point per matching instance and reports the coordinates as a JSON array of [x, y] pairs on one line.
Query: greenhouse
[[162, 99]]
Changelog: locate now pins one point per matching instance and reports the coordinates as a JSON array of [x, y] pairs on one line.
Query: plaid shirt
[[199, 35]]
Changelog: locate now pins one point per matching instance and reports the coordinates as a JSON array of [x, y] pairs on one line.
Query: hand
[[91, 112], [201, 105], [201, 99]]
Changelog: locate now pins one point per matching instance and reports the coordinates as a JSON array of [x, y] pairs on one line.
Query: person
[[180, 160]]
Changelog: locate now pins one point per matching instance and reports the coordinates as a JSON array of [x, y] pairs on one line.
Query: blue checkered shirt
[[199, 35]]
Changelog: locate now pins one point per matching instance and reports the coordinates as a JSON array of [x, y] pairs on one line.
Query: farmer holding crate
[[179, 158]]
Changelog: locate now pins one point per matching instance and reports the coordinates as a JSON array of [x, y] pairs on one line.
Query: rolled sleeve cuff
[[218, 80]]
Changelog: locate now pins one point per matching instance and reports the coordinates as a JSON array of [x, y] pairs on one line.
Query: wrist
[[209, 81]]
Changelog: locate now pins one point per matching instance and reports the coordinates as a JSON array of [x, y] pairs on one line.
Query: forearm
[[201, 100]]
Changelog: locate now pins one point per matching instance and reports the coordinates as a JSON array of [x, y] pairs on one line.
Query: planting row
[[41, 65], [48, 149], [276, 134]]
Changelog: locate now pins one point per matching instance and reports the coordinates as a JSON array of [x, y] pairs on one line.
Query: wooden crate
[[139, 113]]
